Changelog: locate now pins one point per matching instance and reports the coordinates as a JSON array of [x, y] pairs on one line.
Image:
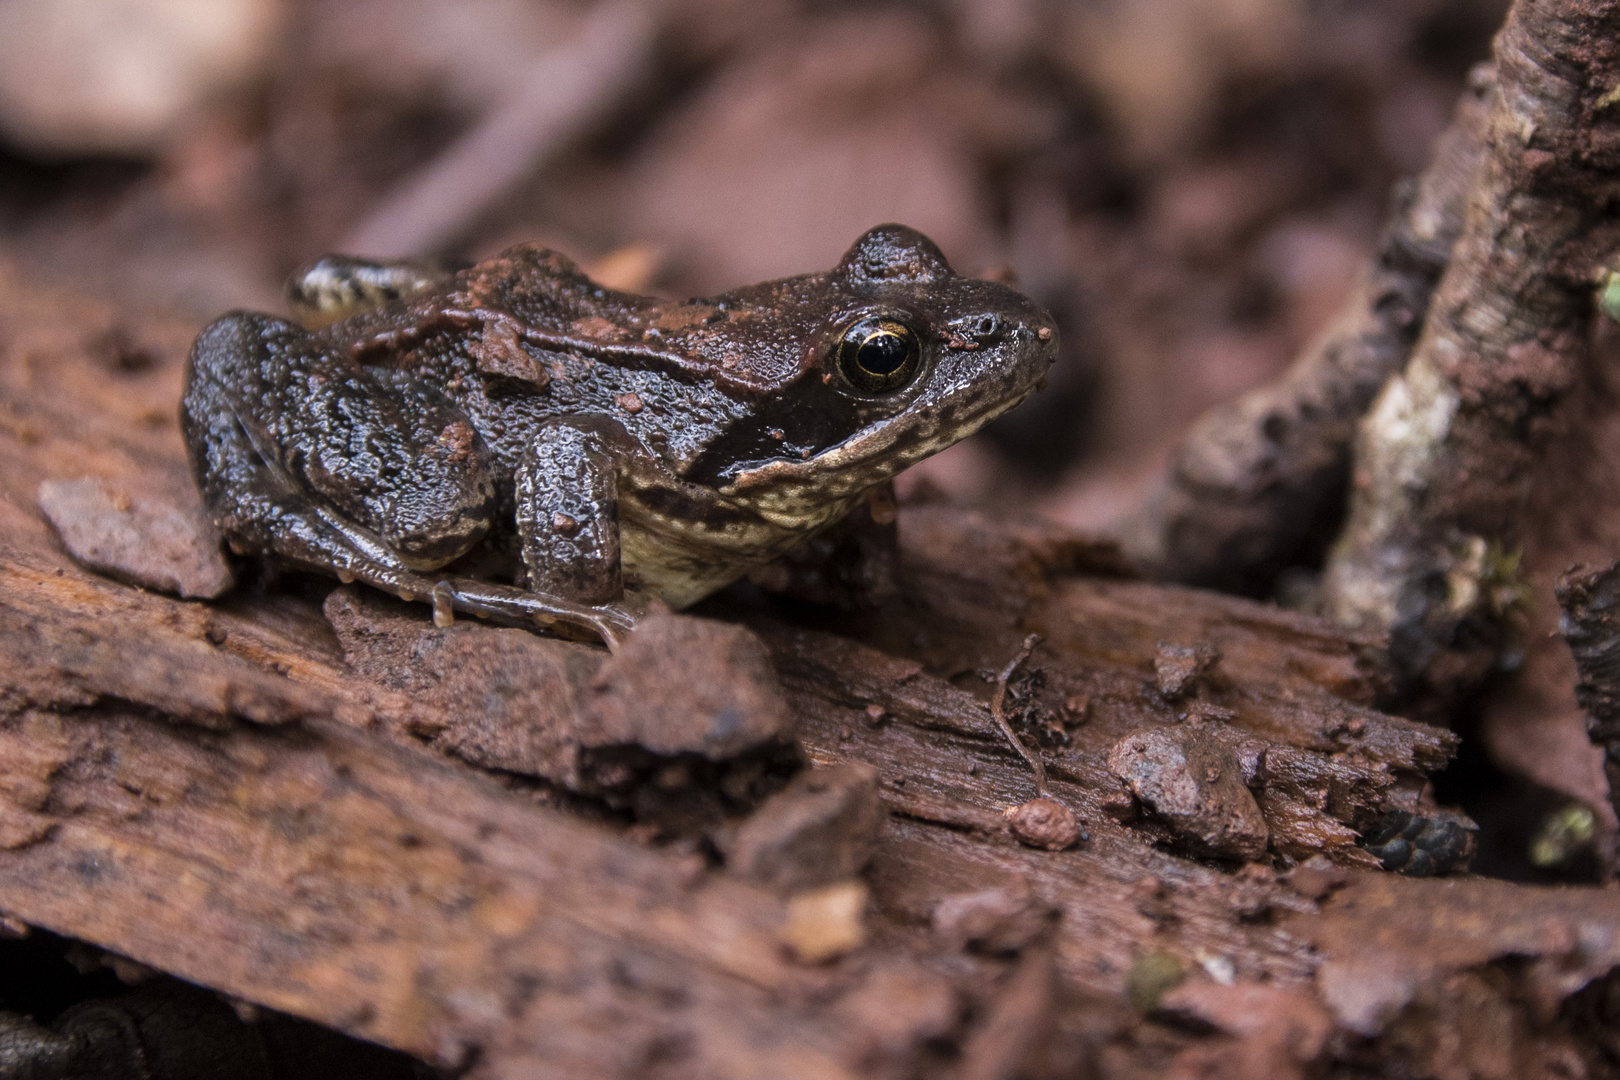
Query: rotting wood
[[1591, 627], [374, 902], [401, 899]]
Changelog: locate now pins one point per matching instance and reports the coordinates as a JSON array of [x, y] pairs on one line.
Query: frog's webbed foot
[[326, 542], [306, 534]]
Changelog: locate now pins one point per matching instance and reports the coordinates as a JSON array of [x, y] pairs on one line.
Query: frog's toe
[[615, 626]]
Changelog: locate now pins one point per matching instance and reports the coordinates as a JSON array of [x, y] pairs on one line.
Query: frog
[[623, 451]]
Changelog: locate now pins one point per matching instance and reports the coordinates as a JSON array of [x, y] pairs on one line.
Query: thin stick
[[998, 709], [566, 91]]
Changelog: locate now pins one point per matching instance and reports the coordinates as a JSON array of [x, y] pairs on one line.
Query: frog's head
[[898, 357]]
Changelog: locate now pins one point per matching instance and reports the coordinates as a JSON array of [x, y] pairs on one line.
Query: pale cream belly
[[681, 569]]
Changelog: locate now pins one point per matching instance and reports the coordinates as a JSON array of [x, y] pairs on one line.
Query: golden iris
[[877, 355]]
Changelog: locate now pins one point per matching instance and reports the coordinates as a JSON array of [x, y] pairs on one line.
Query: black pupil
[[882, 354]]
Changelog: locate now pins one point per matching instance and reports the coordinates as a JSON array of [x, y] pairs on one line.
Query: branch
[[1445, 457], [1260, 481]]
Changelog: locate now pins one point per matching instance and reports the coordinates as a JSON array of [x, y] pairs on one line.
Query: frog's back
[[526, 339]]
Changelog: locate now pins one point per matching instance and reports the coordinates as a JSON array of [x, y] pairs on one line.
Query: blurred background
[[1190, 185]]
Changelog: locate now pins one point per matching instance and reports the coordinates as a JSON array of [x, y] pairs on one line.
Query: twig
[[566, 91], [998, 709]]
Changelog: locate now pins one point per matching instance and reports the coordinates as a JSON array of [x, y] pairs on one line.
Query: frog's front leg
[[567, 500]]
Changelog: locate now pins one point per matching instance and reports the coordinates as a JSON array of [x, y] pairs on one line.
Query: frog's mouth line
[[881, 450], [785, 490]]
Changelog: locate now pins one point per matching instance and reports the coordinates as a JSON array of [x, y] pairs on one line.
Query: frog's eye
[[878, 355]]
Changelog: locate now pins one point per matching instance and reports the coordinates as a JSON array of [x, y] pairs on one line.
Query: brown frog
[[625, 447]]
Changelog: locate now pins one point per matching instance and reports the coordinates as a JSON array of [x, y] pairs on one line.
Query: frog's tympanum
[[620, 447]]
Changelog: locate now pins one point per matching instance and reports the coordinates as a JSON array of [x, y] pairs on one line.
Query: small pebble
[[826, 923], [1046, 823]]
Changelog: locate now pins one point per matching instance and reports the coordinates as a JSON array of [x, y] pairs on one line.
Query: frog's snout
[[1037, 342], [1047, 335]]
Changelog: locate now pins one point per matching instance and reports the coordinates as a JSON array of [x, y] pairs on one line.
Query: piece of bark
[[1011, 1035], [900, 1007], [1275, 1034], [1179, 669], [687, 685], [822, 828], [997, 920], [512, 700], [1258, 484], [1298, 787], [498, 697], [1387, 940], [142, 540], [1193, 781], [1446, 455], [403, 900], [66, 650]]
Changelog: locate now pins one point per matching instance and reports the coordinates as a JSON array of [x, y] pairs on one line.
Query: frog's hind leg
[[262, 504], [270, 516], [399, 461]]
